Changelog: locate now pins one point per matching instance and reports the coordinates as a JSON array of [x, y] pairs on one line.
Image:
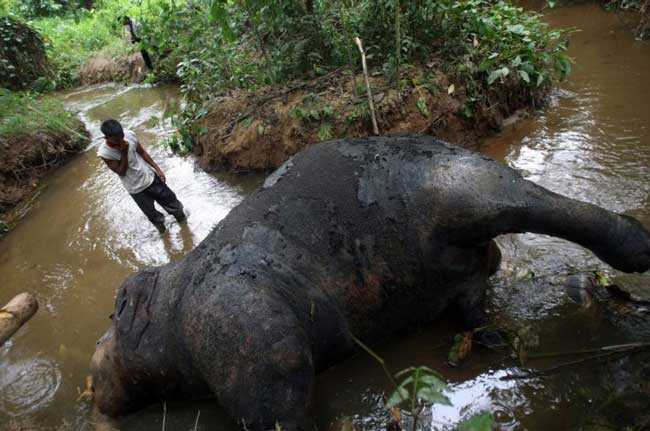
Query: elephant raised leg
[[490, 199]]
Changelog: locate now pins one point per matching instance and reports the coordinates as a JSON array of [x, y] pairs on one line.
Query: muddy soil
[[27, 158], [130, 68], [247, 131]]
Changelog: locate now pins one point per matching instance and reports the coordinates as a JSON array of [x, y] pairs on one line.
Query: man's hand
[[124, 146]]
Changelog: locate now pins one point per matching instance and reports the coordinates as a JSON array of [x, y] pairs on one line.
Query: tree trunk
[[309, 7], [15, 314]]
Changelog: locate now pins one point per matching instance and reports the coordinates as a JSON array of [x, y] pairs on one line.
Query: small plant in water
[[420, 386]]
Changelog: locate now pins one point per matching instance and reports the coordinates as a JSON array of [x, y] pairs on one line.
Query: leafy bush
[[22, 54], [219, 45], [491, 40], [73, 39]]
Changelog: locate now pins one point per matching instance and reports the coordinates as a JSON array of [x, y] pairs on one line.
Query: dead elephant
[[366, 237]]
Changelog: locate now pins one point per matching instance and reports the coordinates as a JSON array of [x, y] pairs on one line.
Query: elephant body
[[365, 237]]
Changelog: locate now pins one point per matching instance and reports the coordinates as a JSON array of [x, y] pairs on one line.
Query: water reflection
[[486, 392]]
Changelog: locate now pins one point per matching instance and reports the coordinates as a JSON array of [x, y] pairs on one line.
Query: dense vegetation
[[22, 55], [220, 46], [214, 47]]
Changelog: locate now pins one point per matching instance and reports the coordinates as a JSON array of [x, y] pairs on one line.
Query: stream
[[84, 235]]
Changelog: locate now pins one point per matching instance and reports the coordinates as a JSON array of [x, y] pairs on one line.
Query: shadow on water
[[85, 235]]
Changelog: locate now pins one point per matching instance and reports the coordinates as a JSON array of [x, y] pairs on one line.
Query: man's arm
[[147, 158], [119, 166]]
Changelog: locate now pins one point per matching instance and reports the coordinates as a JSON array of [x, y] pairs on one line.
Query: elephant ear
[[133, 305]]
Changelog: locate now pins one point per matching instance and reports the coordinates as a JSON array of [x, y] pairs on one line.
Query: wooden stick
[[606, 354], [616, 348], [164, 415], [371, 105], [196, 423], [15, 314], [377, 358]]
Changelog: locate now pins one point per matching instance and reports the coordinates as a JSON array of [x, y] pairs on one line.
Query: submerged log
[[15, 314]]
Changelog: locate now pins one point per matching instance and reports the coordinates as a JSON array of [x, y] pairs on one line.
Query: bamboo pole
[[398, 47], [371, 105], [15, 314]]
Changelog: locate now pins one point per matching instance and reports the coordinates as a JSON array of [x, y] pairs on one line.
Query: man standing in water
[[131, 26], [140, 175]]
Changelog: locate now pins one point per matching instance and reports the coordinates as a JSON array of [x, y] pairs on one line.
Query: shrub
[[22, 54], [72, 40]]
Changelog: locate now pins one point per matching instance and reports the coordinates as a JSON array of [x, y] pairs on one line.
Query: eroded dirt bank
[[27, 158], [99, 69], [256, 131]]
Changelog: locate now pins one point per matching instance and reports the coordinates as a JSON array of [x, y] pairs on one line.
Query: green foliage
[[325, 132], [187, 126], [220, 45], [22, 54], [44, 8], [73, 39], [481, 422], [419, 384], [24, 113], [498, 41], [216, 46], [312, 109]]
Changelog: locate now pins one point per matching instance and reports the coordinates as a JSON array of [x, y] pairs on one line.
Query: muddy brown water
[[84, 235]]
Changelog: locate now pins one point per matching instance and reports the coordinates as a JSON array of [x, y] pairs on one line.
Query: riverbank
[[100, 68], [37, 135], [489, 62], [641, 8], [248, 131]]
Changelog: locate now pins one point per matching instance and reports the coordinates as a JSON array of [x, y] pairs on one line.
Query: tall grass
[[23, 113], [72, 40]]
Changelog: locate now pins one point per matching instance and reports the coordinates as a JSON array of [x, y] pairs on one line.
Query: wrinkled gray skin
[[369, 237]]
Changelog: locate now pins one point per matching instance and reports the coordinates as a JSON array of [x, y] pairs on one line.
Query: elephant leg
[[472, 307], [493, 260], [471, 303], [258, 362], [272, 389]]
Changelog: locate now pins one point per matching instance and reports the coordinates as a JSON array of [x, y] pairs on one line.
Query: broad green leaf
[[517, 29], [524, 75], [481, 422], [496, 74], [434, 382], [433, 396], [422, 106], [397, 397]]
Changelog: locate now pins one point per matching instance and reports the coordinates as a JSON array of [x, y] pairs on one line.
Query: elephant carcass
[[365, 237]]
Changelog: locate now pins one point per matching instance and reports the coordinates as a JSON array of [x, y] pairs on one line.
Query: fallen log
[[15, 314]]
